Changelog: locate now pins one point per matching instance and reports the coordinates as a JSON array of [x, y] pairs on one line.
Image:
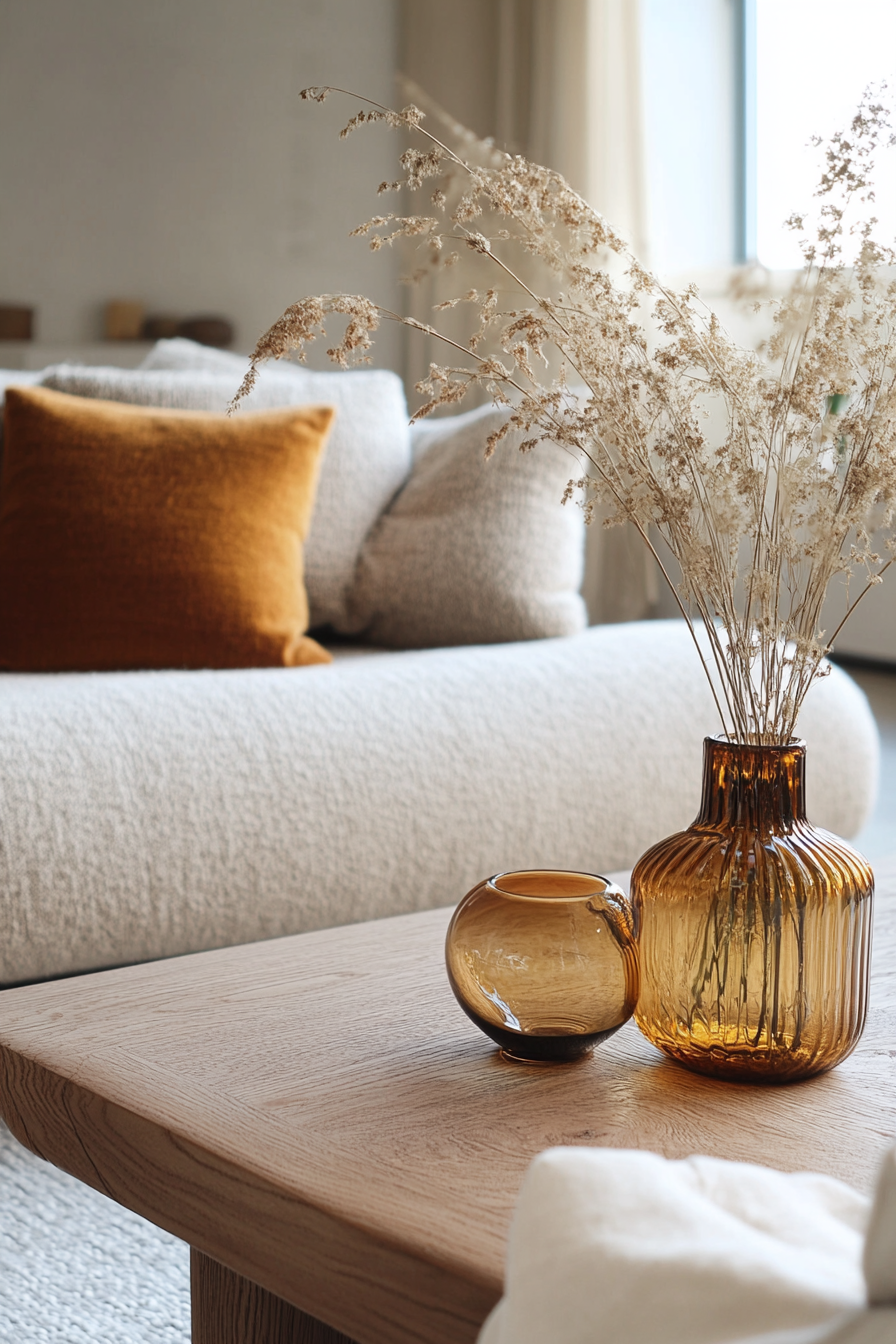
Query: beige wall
[[157, 149]]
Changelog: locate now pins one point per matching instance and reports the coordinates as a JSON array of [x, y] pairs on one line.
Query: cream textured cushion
[[367, 459], [474, 550]]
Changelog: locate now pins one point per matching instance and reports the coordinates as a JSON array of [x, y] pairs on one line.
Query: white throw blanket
[[618, 1247]]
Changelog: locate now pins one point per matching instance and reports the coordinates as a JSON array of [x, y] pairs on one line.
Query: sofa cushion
[[177, 352], [144, 814], [473, 550], [367, 459], [138, 538]]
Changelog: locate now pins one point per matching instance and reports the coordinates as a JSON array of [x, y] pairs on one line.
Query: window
[[812, 60]]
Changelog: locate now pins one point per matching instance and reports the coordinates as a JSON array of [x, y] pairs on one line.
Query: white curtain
[[559, 81], [586, 105]]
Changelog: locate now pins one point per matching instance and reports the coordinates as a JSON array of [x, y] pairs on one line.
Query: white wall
[[158, 150]]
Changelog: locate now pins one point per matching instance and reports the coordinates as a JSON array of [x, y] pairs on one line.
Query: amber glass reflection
[[544, 962], [755, 927]]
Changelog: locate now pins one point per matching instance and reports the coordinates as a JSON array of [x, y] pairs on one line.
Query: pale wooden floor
[[878, 840]]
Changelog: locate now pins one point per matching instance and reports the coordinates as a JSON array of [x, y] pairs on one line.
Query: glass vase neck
[[752, 787]]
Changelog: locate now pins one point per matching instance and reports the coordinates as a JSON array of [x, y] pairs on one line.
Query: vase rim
[[551, 884], [722, 740]]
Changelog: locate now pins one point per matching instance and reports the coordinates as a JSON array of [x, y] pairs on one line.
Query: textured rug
[[75, 1268]]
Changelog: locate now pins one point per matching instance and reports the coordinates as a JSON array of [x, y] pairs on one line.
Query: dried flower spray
[[762, 506]]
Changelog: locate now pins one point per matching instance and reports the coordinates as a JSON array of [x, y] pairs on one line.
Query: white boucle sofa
[[146, 814]]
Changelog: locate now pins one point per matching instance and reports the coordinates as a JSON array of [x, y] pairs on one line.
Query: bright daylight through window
[[813, 60]]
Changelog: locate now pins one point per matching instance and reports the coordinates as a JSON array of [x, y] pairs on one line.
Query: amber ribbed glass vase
[[755, 927]]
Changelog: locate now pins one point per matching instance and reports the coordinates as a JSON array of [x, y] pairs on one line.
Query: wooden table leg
[[228, 1309]]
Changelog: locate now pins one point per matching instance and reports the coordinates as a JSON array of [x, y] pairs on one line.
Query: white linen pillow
[[473, 551], [367, 459], [179, 353]]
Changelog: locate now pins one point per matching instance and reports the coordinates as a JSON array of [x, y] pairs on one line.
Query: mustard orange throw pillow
[[141, 538]]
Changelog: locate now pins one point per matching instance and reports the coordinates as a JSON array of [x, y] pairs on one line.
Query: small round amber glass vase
[[544, 962], [755, 927]]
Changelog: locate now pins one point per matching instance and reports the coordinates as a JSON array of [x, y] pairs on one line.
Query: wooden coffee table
[[338, 1144]]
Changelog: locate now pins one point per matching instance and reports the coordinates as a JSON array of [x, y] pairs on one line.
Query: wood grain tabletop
[[317, 1114]]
